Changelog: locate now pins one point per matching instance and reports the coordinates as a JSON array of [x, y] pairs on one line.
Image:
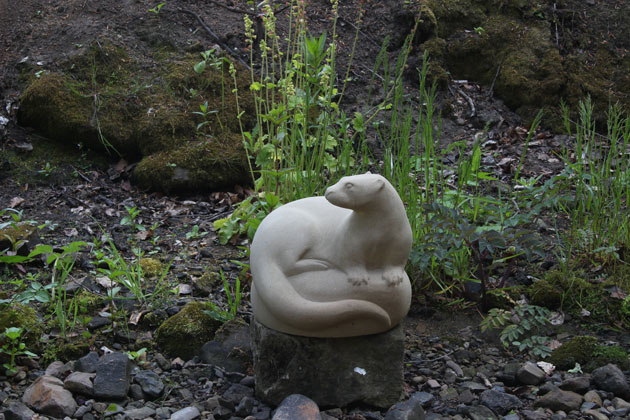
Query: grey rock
[[162, 361], [534, 415], [150, 382], [245, 406], [530, 374], [596, 414], [367, 369], [83, 410], [236, 392], [620, 403], [97, 322], [508, 376], [473, 386], [57, 369], [163, 413], [455, 367], [87, 363], [466, 397], [135, 392], [139, 413], [592, 396], [579, 384], [587, 405], [560, 400], [47, 396], [112, 376], [499, 402], [423, 398], [18, 411], [80, 383], [230, 348], [188, 413], [297, 407], [479, 412], [410, 409], [610, 378]]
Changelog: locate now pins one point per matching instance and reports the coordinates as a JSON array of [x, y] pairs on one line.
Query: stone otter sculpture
[[334, 266]]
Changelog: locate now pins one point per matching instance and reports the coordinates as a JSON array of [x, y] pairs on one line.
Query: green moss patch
[[183, 334], [21, 316], [586, 351], [107, 101]]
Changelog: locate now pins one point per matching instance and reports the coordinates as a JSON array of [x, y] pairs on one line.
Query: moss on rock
[[106, 101], [203, 165], [151, 267], [545, 293], [184, 333], [21, 316], [586, 351]]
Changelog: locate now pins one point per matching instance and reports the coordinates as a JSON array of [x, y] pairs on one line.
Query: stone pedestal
[[334, 372]]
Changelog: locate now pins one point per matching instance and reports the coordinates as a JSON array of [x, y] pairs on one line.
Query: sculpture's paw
[[393, 276], [358, 280]]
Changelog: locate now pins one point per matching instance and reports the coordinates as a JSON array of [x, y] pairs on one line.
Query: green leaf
[[200, 67]]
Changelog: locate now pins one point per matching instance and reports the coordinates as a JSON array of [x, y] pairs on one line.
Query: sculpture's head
[[353, 192]]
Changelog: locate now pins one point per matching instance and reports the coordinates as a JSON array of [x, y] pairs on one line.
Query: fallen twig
[[215, 37]]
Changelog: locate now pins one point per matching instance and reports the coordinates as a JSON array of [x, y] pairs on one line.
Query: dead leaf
[[135, 317], [71, 232], [616, 292], [556, 318], [15, 201], [143, 235], [110, 212], [105, 282], [554, 344], [546, 367]]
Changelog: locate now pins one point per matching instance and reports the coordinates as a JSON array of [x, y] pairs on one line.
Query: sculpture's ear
[[380, 183], [368, 173]]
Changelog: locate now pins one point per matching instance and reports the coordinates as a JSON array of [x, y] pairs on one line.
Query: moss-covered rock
[[586, 351], [508, 43], [184, 333], [151, 267], [21, 237], [106, 100], [545, 293], [21, 316]]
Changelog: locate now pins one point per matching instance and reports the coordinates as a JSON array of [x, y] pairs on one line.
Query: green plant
[[519, 327], [246, 217], [15, 216], [130, 275], [130, 218], [157, 8], [13, 347], [233, 301], [136, 355], [47, 170], [205, 112], [195, 234]]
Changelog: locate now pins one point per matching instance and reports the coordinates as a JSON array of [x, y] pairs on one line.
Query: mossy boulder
[[24, 317], [545, 293], [183, 334], [21, 237], [509, 44], [106, 100], [586, 351]]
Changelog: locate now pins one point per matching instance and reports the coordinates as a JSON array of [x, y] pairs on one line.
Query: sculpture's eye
[[349, 185]]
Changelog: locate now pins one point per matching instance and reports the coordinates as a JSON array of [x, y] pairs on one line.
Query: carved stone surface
[[333, 266], [333, 372]]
